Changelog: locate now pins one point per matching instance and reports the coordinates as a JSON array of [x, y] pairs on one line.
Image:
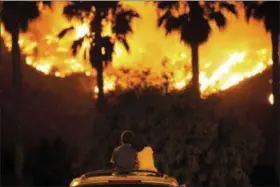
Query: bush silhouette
[[191, 140]]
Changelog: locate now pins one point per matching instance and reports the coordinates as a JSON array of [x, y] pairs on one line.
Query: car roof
[[124, 177]]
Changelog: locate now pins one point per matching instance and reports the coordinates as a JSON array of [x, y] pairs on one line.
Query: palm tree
[[268, 13], [192, 19], [102, 47], [15, 17]]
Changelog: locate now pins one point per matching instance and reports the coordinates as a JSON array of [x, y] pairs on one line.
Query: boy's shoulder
[[117, 149]]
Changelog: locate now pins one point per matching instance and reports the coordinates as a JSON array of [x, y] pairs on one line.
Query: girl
[[146, 159], [145, 156]]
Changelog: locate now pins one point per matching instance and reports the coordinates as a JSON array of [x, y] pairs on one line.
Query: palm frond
[[105, 6], [71, 11], [47, 3], [30, 10], [123, 21], [250, 8], [20, 13], [170, 22], [163, 18], [219, 19], [173, 24], [229, 7], [166, 5], [64, 32], [77, 9], [260, 12], [76, 45], [103, 47], [263, 11], [125, 44]]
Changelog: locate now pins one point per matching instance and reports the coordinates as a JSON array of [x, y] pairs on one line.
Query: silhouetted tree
[[61, 169], [102, 47], [7, 166], [41, 166], [50, 163], [15, 16], [192, 19], [269, 14], [198, 148]]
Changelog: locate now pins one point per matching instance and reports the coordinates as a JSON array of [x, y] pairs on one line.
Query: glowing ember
[[180, 85], [44, 67], [239, 52], [271, 99], [88, 73]]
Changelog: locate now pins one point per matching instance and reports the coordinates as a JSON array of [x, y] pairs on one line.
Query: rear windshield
[[124, 185]]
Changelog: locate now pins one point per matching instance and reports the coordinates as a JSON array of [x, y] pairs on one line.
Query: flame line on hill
[[221, 65]]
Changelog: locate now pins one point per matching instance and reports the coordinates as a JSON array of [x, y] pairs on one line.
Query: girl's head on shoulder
[[148, 149]]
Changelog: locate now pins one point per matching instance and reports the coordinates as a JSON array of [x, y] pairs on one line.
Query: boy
[[124, 157]]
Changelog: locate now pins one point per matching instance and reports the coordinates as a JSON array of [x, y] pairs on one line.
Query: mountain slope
[[54, 106]]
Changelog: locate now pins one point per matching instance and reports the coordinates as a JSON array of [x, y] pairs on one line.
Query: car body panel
[[132, 178]]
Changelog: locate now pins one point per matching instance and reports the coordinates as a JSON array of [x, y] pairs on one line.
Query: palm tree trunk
[[97, 25], [17, 105], [195, 69], [100, 83], [276, 90]]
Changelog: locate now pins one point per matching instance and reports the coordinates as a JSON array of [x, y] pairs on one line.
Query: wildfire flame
[[82, 30], [271, 99], [241, 51]]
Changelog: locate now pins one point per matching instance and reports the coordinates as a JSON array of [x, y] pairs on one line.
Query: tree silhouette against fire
[[192, 20], [101, 47], [15, 17], [268, 13]]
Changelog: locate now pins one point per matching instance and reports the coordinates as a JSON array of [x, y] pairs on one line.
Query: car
[[135, 178]]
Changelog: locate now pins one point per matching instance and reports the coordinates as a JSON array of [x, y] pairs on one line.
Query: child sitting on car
[[124, 157]]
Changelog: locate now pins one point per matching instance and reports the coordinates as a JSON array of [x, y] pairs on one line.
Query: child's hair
[[127, 137]]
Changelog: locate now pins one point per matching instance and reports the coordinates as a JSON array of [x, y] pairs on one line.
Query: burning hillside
[[240, 51]]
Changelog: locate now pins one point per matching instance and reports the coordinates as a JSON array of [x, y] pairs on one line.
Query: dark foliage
[[15, 16], [195, 147], [269, 14], [49, 164], [18, 14]]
